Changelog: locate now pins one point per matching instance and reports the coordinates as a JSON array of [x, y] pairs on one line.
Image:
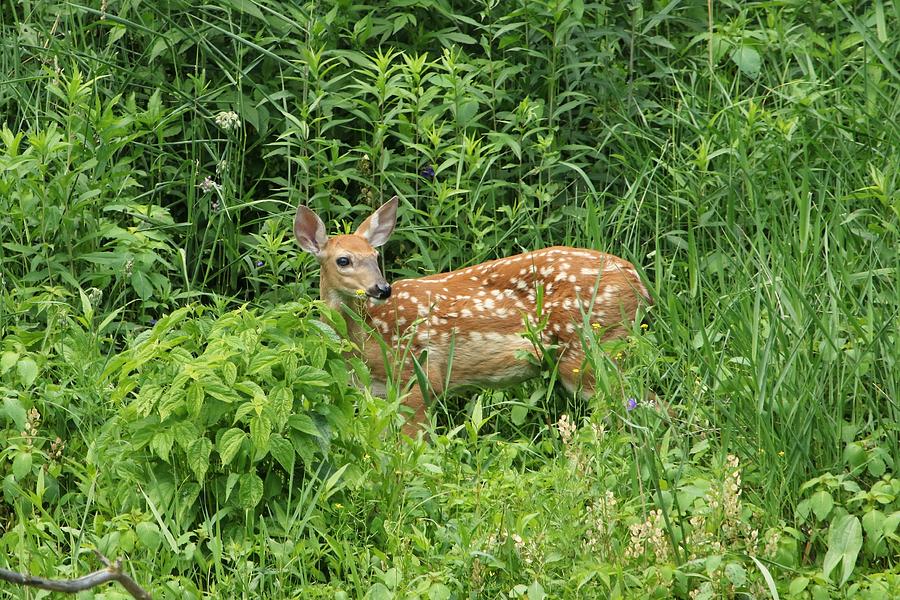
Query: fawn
[[471, 319]]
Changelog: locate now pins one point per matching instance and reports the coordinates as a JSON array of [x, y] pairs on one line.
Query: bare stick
[[112, 572]]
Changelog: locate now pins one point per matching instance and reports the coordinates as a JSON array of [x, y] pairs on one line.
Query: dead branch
[[112, 572]]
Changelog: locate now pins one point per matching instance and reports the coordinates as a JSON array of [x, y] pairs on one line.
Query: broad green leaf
[[87, 309], [148, 534], [803, 509], [883, 492], [230, 444], [147, 398], [308, 375], [243, 411], [477, 415], [854, 455], [198, 457], [302, 422], [15, 411], [141, 284], [736, 574], [7, 360], [154, 107], [392, 578], [876, 467], [230, 482], [281, 399], [195, 398], [251, 490], [821, 503], [252, 389], [873, 522], [798, 584], [260, 430], [185, 433], [889, 527], [844, 541], [216, 388], [748, 61], [379, 591], [21, 466], [283, 451], [263, 362], [712, 563], [229, 373], [518, 414], [161, 444], [439, 591], [28, 371], [458, 37], [536, 591]]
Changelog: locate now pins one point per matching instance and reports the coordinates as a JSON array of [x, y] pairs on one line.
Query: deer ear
[[380, 224], [310, 231]]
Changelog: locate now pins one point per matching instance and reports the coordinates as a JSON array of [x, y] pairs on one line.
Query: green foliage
[[856, 517], [151, 157], [237, 407]]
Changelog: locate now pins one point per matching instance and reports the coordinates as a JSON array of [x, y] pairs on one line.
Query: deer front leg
[[418, 399], [415, 400]]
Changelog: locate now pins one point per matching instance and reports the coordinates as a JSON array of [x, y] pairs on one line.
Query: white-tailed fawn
[[466, 327]]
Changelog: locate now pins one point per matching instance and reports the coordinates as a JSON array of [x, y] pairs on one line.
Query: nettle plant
[[232, 407]]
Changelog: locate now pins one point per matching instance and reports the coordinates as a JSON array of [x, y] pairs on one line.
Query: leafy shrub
[[232, 411]]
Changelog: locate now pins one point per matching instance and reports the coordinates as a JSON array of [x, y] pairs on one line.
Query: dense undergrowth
[[171, 397]]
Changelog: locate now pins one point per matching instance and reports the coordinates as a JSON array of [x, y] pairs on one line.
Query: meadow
[[171, 395]]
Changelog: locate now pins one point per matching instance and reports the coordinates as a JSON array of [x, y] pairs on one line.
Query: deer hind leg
[[574, 371]]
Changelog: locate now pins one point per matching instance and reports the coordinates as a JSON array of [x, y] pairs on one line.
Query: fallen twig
[[112, 572]]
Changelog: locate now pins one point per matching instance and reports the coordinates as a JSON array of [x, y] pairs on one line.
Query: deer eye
[[343, 261]]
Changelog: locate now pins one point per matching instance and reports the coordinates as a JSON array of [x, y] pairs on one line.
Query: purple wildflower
[[259, 263], [631, 404], [428, 172]]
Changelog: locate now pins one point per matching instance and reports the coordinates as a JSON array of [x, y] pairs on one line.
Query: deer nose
[[381, 291]]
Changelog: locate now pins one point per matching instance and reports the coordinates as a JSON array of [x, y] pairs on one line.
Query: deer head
[[349, 263]]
